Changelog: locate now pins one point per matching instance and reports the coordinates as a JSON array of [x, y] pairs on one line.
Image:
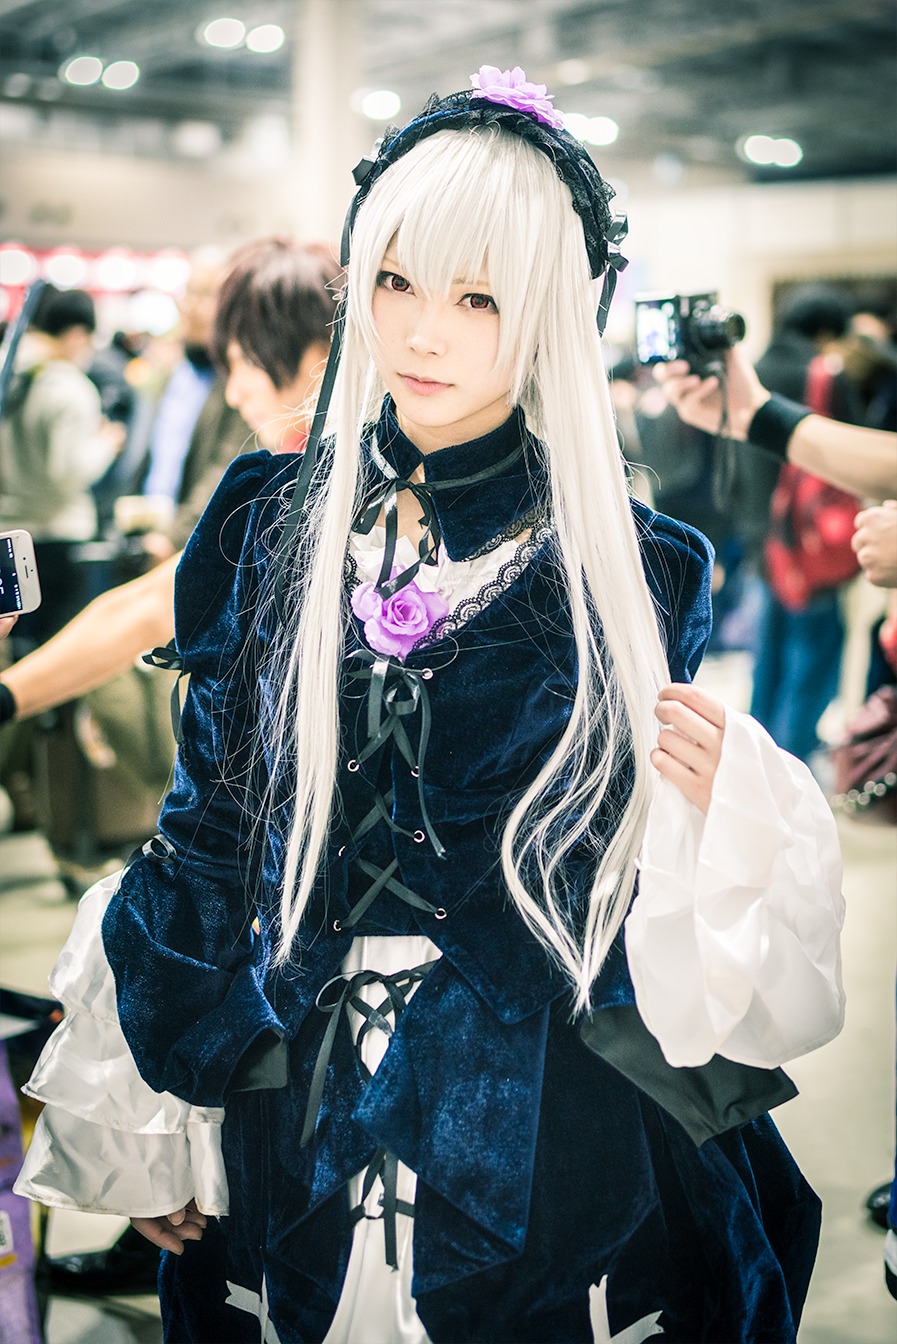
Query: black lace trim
[[527, 521], [509, 572], [470, 607]]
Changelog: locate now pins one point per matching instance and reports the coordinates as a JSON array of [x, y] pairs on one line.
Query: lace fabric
[[468, 586]]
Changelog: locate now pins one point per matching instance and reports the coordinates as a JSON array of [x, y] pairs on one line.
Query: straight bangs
[[465, 206]]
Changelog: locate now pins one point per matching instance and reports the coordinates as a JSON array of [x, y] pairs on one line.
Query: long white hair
[[459, 203]]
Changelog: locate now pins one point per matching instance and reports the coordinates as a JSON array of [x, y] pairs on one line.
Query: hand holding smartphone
[[19, 584]]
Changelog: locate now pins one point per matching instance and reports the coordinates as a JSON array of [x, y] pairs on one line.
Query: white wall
[[103, 200]]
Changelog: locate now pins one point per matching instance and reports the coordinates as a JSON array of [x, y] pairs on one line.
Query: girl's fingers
[[688, 753], [703, 704], [169, 1233], [160, 1233], [696, 788], [689, 724]]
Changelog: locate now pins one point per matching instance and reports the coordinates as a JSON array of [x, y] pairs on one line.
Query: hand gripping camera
[[685, 326]]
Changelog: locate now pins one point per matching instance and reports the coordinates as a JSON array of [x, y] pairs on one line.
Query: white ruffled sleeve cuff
[[733, 939], [105, 1141]]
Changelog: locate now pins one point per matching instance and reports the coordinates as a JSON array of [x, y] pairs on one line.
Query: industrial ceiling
[[686, 80]]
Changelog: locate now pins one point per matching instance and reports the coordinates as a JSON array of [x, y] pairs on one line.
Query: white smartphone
[[19, 584]]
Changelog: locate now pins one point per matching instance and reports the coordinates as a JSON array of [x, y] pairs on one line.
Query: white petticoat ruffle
[[105, 1141], [733, 940]]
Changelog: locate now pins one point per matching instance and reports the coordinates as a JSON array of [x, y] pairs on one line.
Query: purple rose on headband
[[393, 625], [512, 88]]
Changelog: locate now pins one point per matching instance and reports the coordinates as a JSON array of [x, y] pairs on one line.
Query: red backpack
[[807, 547]]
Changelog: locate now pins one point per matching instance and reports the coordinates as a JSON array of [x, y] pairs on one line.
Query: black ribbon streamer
[[170, 660], [383, 1164]]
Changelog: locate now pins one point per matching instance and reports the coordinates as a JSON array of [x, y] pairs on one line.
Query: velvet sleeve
[[678, 563], [189, 970]]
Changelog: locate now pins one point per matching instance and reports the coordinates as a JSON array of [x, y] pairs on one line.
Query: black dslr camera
[[685, 326]]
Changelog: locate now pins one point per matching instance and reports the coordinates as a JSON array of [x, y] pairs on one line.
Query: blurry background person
[[182, 433], [807, 554], [870, 361], [54, 444]]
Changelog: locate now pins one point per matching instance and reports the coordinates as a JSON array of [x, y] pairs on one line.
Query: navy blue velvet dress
[[540, 1169]]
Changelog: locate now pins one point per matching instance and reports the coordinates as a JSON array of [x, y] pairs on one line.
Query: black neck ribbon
[[385, 497]]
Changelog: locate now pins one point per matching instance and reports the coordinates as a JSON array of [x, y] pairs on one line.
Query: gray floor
[[841, 1127]]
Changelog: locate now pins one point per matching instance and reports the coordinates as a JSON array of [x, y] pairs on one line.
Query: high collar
[[470, 515]]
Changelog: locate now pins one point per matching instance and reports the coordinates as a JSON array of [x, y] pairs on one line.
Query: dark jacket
[[540, 1169]]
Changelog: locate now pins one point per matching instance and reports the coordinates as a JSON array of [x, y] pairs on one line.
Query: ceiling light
[[788, 153], [380, 104], [267, 37], [83, 70], [168, 271], [17, 267], [767, 149], [601, 131], [121, 75], [226, 33], [573, 72], [66, 269], [576, 123], [116, 271]]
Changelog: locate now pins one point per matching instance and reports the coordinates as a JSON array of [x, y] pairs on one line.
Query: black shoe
[[130, 1265], [877, 1202]]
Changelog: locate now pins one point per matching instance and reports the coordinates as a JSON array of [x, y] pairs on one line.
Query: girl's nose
[[426, 334]]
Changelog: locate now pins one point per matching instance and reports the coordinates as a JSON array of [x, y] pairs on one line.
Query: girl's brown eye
[[482, 303]]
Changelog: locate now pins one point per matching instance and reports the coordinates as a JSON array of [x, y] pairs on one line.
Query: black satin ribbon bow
[[616, 263], [384, 498]]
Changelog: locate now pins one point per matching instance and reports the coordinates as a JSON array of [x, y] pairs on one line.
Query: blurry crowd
[[108, 455]]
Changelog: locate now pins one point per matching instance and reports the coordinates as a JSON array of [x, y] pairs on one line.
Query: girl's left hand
[[690, 743]]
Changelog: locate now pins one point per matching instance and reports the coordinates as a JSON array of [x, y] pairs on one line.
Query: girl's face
[[436, 356], [267, 409]]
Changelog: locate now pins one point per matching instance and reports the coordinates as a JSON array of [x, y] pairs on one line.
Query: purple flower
[[393, 625], [512, 88]]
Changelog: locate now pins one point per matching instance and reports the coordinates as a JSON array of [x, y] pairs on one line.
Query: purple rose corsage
[[393, 625], [513, 89]]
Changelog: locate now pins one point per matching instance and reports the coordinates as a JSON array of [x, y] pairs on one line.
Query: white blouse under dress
[[732, 944]]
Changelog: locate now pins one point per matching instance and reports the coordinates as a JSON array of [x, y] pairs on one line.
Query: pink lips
[[424, 387]]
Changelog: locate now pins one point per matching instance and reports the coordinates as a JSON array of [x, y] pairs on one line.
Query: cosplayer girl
[[395, 1082]]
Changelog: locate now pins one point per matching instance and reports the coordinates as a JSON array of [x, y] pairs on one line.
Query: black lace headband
[[572, 163]]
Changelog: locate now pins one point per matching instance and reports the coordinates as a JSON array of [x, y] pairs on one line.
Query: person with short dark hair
[[54, 443], [276, 302]]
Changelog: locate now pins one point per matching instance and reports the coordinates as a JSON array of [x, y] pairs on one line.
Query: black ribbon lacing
[[395, 693], [383, 1163], [384, 879]]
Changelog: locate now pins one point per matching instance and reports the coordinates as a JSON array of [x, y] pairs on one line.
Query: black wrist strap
[[774, 423], [7, 703]]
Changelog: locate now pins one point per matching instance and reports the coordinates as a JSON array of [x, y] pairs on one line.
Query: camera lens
[[717, 328]]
